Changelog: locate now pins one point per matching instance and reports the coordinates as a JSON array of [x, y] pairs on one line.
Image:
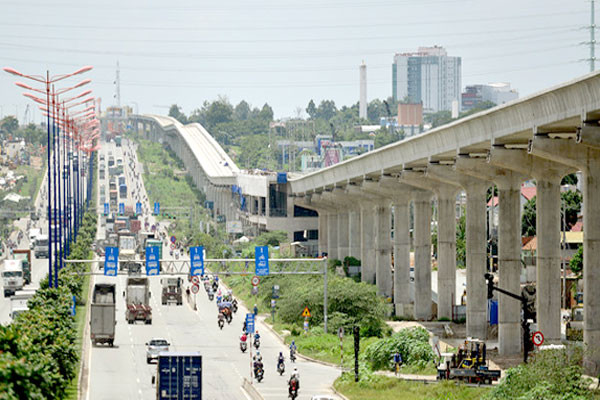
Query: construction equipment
[[575, 322], [468, 364]]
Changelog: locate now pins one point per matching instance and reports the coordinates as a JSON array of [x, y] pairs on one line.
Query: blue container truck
[[179, 376]]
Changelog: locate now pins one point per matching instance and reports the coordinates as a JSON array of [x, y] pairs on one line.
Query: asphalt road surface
[[121, 372]]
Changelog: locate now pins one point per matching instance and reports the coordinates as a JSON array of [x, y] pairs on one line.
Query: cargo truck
[[25, 256], [171, 291], [103, 314], [127, 245], [178, 376], [18, 302], [41, 247], [12, 276], [137, 299], [123, 191]]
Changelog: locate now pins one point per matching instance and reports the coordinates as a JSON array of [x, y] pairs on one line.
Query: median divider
[[251, 390]]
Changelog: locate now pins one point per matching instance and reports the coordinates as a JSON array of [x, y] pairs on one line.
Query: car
[[155, 346]]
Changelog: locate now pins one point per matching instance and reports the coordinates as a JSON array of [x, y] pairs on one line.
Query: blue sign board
[[250, 323], [261, 259], [156, 208], [138, 208], [121, 208], [106, 208], [111, 261], [152, 263], [74, 305], [197, 260]]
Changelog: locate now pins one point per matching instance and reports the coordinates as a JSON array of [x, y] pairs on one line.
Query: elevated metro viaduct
[[544, 136], [257, 200]]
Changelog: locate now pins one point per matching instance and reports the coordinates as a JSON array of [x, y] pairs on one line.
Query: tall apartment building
[[428, 76]]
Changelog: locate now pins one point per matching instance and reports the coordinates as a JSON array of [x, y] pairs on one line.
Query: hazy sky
[[283, 52]]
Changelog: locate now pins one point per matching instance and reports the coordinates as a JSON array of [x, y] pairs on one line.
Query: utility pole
[[118, 87]]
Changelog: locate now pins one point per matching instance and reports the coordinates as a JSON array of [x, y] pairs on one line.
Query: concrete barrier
[[251, 390]]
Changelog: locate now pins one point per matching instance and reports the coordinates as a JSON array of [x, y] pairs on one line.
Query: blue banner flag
[[156, 208], [152, 260], [121, 208], [106, 208], [111, 261], [138, 208], [197, 260], [261, 259]]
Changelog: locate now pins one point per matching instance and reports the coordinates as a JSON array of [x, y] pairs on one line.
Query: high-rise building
[[428, 76], [497, 93]]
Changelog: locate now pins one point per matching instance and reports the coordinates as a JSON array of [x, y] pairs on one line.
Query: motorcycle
[[293, 355], [234, 306], [293, 392], [211, 296], [221, 322], [243, 347], [281, 368], [258, 373], [256, 342]]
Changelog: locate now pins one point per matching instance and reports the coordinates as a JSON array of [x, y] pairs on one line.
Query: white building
[[428, 76]]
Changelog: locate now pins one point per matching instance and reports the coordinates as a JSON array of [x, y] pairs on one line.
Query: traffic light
[[490, 285]]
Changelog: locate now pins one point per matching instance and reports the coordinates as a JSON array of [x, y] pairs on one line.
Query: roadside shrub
[[550, 374], [411, 343]]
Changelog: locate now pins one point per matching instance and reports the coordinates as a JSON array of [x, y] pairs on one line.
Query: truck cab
[[127, 245], [171, 291], [12, 276]]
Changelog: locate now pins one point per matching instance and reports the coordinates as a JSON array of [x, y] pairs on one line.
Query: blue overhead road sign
[[261, 259], [197, 260], [111, 261], [152, 260]]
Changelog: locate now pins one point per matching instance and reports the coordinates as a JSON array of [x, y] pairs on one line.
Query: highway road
[[121, 371], [40, 265]]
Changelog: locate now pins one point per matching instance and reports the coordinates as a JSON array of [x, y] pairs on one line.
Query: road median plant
[[40, 350]]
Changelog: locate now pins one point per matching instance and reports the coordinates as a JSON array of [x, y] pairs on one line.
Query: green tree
[[311, 109], [9, 124], [375, 111], [266, 114], [384, 137], [33, 134], [439, 118], [576, 263], [570, 179], [175, 112], [242, 111], [461, 241], [528, 220], [326, 110], [219, 111], [572, 200]]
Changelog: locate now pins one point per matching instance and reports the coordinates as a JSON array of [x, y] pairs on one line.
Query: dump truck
[[178, 376], [12, 276], [137, 299], [171, 291], [103, 314], [127, 245]]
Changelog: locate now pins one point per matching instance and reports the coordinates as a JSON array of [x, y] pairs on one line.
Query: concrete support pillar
[[343, 235], [548, 288], [354, 233], [446, 201], [322, 232], [367, 245], [383, 249], [585, 157], [476, 244], [332, 235], [402, 300], [509, 264], [422, 245]]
